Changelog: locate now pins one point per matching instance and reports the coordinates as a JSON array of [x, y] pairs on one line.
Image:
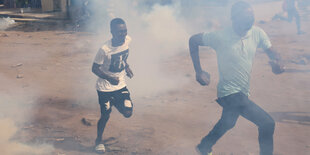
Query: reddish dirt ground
[[57, 70]]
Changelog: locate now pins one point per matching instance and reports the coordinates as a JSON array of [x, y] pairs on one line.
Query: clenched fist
[[203, 78], [277, 67]]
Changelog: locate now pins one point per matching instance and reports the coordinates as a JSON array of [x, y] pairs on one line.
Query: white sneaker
[[100, 148]]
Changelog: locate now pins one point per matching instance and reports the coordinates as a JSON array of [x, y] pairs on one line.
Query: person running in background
[[110, 65], [292, 12], [235, 47]]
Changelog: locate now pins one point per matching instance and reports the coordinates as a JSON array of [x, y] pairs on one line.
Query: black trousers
[[235, 105], [106, 101]]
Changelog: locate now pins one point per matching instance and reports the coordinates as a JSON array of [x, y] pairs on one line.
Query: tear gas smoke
[[10, 147], [16, 110]]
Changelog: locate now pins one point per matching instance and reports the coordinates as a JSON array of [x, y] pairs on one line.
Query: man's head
[[118, 30], [242, 17]]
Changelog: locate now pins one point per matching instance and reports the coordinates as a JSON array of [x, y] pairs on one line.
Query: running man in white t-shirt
[[110, 65], [235, 48]]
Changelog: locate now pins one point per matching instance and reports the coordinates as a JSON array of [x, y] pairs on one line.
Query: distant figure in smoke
[[235, 47], [289, 7], [84, 14], [111, 66]]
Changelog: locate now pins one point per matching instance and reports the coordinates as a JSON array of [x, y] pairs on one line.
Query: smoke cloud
[[5, 23], [10, 147], [14, 111]]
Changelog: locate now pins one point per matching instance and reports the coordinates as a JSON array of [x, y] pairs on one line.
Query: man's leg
[[105, 108], [123, 102], [265, 124], [290, 15], [279, 16], [297, 20], [228, 120]]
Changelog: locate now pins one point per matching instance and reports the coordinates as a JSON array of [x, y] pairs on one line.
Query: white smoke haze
[[10, 147], [14, 107], [265, 11], [16, 110], [159, 37], [6, 23]]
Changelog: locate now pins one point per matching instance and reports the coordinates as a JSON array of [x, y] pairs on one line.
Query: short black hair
[[238, 8], [116, 21]]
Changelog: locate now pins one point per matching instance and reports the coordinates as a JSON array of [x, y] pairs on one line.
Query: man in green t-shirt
[[235, 47]]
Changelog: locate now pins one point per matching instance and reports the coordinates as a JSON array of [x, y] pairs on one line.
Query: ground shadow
[[302, 118], [42, 26], [297, 71], [71, 144]]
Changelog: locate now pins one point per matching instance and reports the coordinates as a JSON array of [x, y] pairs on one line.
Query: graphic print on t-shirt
[[118, 61]]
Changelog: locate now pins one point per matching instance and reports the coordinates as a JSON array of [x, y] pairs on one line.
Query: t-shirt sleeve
[[264, 41], [210, 39], [128, 39], [99, 58]]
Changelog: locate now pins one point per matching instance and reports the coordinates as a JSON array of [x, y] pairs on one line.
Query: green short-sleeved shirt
[[235, 57]]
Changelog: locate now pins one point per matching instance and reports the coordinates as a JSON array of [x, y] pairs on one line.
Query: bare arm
[[194, 42], [273, 54], [96, 70], [275, 61], [128, 71]]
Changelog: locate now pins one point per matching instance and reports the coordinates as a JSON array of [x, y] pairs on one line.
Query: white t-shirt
[[112, 61]]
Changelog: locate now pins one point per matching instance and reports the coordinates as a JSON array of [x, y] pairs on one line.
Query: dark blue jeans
[[235, 105], [294, 13]]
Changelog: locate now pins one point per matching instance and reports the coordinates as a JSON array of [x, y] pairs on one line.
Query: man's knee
[[228, 124], [272, 124], [268, 125], [105, 115], [127, 112]]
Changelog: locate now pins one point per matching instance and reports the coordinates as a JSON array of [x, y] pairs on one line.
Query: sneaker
[[202, 150], [100, 148]]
